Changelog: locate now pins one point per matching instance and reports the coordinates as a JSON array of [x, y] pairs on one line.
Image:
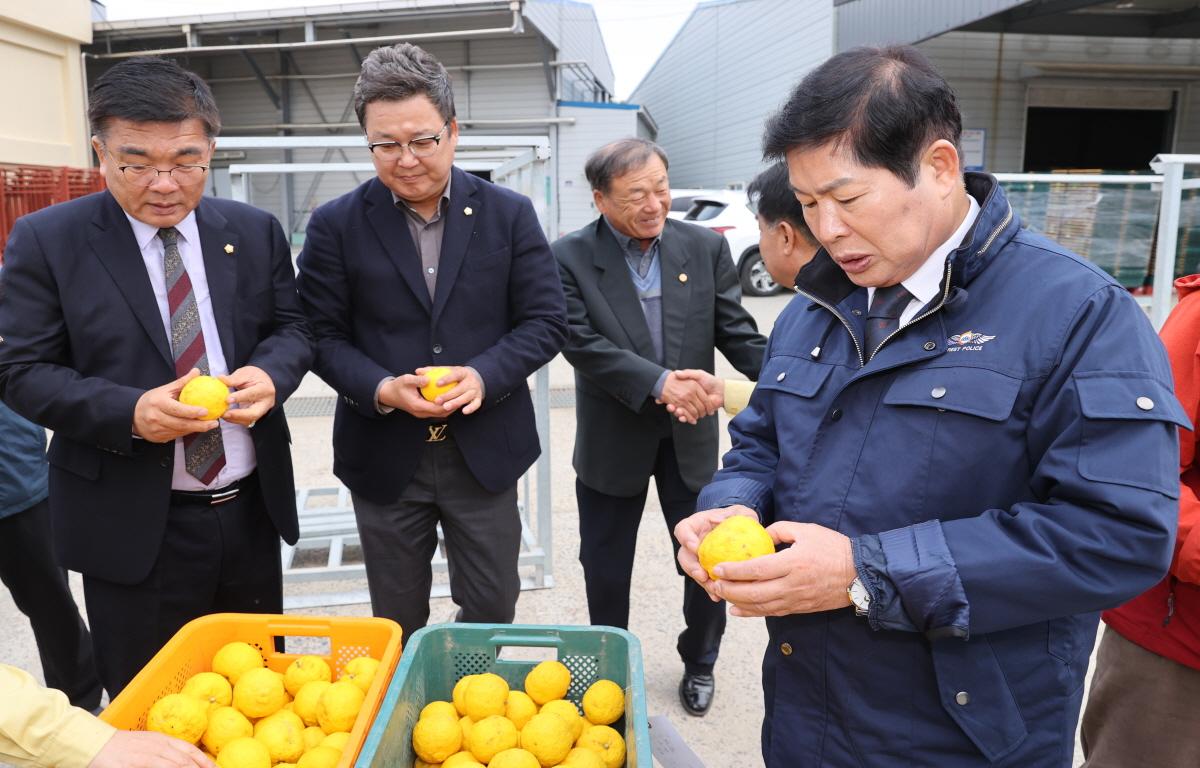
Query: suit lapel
[[392, 230], [617, 287], [457, 233], [220, 270], [676, 293], [113, 242]]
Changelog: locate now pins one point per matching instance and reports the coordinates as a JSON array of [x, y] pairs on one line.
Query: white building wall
[[992, 75], [572, 27], [594, 126], [729, 68]]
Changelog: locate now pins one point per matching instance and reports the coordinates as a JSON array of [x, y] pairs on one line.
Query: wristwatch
[[859, 596]]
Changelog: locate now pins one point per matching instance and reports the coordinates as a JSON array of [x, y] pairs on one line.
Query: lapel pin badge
[[683, 277], [468, 210], [228, 247]]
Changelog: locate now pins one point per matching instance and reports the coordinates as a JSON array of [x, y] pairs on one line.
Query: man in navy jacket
[[109, 304], [965, 440], [426, 265]]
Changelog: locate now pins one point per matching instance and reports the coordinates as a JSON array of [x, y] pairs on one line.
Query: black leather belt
[[217, 495]]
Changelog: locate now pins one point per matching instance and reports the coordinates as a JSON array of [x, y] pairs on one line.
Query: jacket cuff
[[77, 742], [918, 564], [656, 390], [737, 490]]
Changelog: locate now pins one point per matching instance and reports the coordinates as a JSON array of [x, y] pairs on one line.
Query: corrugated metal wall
[[594, 127], [875, 22], [573, 27], [992, 87], [731, 65]]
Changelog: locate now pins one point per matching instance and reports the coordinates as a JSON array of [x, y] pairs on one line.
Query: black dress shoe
[[696, 693]]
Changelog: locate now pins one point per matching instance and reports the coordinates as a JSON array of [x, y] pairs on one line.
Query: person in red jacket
[[1142, 707]]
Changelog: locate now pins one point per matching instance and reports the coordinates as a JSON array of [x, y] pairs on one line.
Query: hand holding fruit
[[159, 417], [691, 531], [810, 575], [452, 388], [141, 749]]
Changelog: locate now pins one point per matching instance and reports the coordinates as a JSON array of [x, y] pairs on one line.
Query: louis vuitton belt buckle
[[437, 433]]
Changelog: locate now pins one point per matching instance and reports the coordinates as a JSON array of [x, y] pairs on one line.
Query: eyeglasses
[[146, 175], [422, 146]]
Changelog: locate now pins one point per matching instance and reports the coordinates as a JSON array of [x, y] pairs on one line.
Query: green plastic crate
[[436, 657]]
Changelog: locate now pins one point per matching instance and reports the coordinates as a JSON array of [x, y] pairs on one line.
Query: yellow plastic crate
[[191, 650]]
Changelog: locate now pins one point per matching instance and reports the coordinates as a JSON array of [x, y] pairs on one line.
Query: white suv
[[728, 212]]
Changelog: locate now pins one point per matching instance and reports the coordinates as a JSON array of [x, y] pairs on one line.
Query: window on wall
[[1103, 139]]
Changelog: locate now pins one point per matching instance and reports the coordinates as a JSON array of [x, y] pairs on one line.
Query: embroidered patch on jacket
[[967, 341]]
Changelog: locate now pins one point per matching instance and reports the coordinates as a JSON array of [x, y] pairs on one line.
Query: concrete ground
[[728, 735]]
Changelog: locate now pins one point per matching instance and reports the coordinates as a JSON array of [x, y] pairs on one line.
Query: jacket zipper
[[838, 315]]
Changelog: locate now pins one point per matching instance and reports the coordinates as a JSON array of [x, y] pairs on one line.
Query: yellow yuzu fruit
[[436, 738], [313, 736], [308, 698], [605, 742], [283, 735], [485, 696], [736, 538], [431, 390], [604, 702], [547, 681], [178, 715], [438, 709], [233, 659], [337, 740], [209, 687], [458, 696], [339, 706], [224, 725], [360, 671], [206, 392], [303, 670], [582, 757], [320, 757], [259, 692], [519, 708], [567, 711], [548, 738], [245, 752], [461, 760], [514, 758], [490, 736]]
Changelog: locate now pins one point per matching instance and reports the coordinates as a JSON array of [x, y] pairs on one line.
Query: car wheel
[[755, 279]]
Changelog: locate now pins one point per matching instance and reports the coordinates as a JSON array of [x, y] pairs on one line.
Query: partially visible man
[[38, 727], [784, 239], [964, 439], [109, 304], [38, 585], [647, 299], [1142, 702], [426, 265]]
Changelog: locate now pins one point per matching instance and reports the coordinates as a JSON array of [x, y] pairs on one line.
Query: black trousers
[[39, 589], [214, 559], [483, 542], [608, 528]]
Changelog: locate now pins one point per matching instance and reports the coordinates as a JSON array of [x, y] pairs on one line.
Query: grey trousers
[[1142, 709], [483, 540]]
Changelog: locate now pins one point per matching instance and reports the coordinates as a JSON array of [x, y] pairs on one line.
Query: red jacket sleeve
[[1181, 335]]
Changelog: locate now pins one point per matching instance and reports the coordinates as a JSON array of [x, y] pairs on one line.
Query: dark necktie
[[884, 315], [204, 452]]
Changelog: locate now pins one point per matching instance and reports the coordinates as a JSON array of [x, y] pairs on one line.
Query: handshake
[[691, 394]]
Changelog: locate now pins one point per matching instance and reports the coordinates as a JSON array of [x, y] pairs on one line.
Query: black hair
[[773, 199], [618, 158], [147, 89], [399, 72], [885, 105]]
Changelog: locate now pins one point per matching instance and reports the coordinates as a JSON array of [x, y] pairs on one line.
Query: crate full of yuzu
[[514, 696], [221, 684]]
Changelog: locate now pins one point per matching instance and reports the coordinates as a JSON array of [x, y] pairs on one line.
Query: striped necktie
[[203, 452], [884, 315]]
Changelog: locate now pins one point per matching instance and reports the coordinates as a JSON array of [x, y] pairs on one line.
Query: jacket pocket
[[793, 375], [976, 696], [74, 458], [1124, 415], [978, 392]]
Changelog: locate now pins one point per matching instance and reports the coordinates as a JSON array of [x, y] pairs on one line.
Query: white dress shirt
[[239, 448], [926, 282]]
